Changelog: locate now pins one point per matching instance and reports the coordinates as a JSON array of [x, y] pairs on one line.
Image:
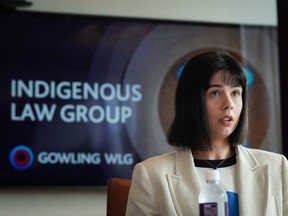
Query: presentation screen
[[85, 98]]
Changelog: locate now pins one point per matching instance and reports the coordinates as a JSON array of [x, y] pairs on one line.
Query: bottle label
[[208, 209], [226, 209], [211, 209]]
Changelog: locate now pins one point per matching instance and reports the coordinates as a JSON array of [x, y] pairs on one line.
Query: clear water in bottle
[[213, 199]]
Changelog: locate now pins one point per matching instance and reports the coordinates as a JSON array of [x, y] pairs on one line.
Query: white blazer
[[169, 184]]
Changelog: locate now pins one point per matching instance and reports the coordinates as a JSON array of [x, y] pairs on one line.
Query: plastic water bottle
[[213, 199]]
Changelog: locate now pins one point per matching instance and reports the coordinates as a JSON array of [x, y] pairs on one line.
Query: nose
[[228, 104], [228, 107]]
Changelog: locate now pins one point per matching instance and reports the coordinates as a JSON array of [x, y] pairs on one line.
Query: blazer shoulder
[[159, 160], [165, 163], [265, 156]]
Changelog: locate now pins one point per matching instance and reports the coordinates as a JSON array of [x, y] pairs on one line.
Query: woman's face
[[223, 107]]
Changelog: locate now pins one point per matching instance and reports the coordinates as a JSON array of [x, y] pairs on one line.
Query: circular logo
[[21, 157]]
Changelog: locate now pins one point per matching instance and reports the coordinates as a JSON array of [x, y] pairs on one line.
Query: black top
[[205, 163]]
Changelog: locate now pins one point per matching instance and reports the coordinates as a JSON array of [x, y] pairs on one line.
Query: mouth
[[226, 120]]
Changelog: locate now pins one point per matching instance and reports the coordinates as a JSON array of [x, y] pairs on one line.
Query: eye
[[236, 93], [214, 93]]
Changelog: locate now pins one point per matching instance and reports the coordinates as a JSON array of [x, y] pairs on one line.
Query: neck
[[217, 153]]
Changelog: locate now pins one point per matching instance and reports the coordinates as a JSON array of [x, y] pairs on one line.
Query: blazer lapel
[[185, 185], [253, 181]]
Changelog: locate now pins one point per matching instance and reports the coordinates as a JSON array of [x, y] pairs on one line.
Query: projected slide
[[84, 99]]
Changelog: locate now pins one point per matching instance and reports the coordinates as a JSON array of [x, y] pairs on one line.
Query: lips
[[226, 120]]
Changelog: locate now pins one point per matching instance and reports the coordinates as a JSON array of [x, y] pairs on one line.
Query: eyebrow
[[220, 86], [215, 85]]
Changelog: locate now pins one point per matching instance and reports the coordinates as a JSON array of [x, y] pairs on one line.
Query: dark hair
[[190, 126]]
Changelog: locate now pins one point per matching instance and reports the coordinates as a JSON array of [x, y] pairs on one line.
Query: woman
[[209, 127]]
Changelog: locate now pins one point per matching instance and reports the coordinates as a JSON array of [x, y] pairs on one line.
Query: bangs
[[232, 78]]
